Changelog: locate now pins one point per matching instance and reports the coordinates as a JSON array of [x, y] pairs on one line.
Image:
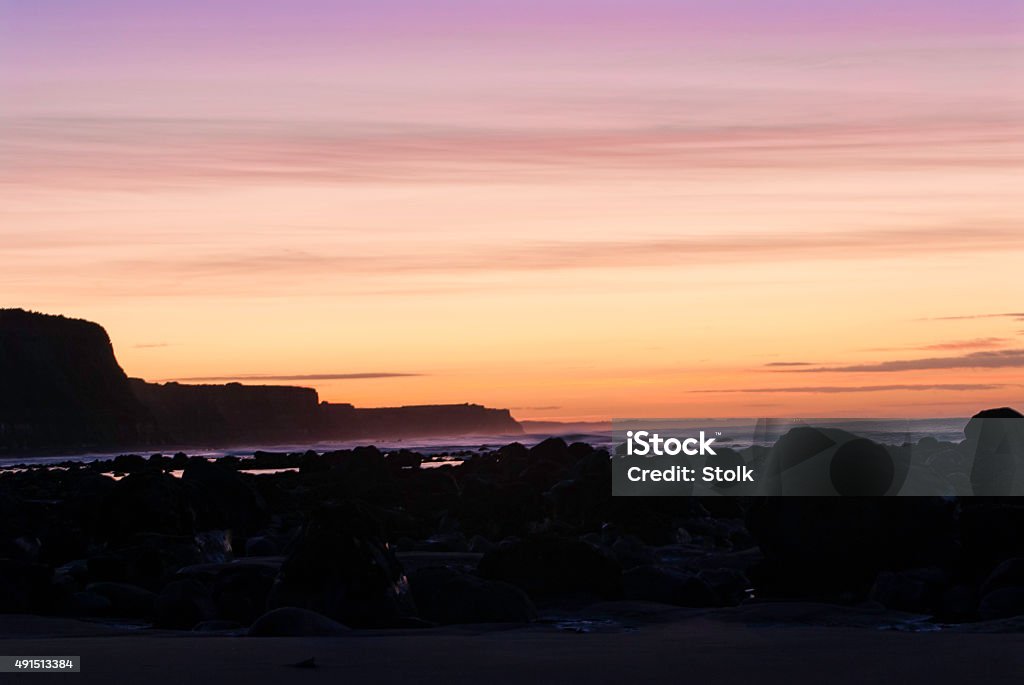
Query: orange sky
[[780, 226]]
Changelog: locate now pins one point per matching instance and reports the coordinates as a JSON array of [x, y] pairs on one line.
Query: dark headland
[[61, 388]]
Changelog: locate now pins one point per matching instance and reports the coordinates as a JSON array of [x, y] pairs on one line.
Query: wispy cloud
[[973, 344], [997, 359], [787, 364], [641, 251], [1019, 316], [839, 389], [195, 151], [970, 344], [149, 346], [297, 377]]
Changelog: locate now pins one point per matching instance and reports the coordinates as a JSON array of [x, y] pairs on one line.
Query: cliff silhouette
[[61, 387]]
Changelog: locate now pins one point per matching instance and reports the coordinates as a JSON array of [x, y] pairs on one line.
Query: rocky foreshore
[[320, 543]]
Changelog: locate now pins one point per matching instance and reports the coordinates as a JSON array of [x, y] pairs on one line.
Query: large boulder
[[228, 499], [126, 601], [25, 587], [295, 622], [148, 560], [584, 498], [444, 595], [342, 567], [826, 547], [668, 586], [1007, 574], [1002, 603], [811, 460], [183, 604], [991, 531], [919, 590], [1002, 593], [362, 472], [240, 591], [146, 502], [994, 446], [551, 565]]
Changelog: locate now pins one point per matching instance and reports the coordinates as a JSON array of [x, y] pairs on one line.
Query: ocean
[[737, 433]]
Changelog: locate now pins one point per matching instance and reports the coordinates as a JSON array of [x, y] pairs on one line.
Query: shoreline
[[703, 647]]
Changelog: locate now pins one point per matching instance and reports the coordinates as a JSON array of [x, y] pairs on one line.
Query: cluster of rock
[[365, 539]]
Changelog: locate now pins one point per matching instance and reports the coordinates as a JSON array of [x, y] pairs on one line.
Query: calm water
[[742, 433]]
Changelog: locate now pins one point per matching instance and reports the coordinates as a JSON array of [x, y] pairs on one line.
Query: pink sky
[[573, 209]]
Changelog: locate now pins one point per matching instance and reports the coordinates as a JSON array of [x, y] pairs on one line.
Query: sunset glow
[[575, 210]]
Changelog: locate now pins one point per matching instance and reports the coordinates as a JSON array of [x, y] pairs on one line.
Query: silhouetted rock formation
[[343, 421], [342, 567], [232, 413], [995, 441], [60, 386], [268, 414]]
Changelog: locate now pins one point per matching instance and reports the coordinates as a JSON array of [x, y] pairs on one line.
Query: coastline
[[701, 648]]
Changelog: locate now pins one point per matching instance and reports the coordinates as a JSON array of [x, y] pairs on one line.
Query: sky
[[574, 209]]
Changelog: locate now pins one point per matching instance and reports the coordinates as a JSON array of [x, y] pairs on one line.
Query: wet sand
[[673, 647]]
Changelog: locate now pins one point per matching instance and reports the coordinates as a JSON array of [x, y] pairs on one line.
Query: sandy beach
[[670, 645]]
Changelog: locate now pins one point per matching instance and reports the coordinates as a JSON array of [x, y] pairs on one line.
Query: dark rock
[[729, 584], [341, 567], [129, 463], [543, 474], [994, 446], [147, 560], [959, 603], [991, 531], [553, 449], [295, 622], [497, 509], [362, 471], [825, 547], [827, 461], [861, 467], [217, 626], [240, 591], [443, 542], [107, 567], [630, 551], [916, 590], [668, 586], [261, 546], [583, 499], [24, 587], [62, 386], [231, 501], [182, 604], [214, 545], [89, 604], [127, 601], [404, 459], [1002, 603], [446, 596], [544, 566], [481, 545], [510, 461], [229, 413], [147, 502], [1008, 573]]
